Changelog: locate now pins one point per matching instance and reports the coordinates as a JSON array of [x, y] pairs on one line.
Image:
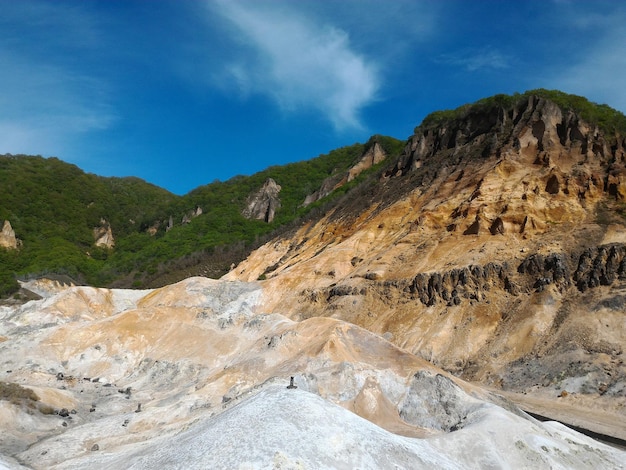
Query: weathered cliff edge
[[494, 247]]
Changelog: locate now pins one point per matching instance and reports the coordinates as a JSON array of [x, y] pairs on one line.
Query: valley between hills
[[476, 277]]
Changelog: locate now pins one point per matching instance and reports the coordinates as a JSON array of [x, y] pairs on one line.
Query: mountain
[[126, 232], [494, 247], [427, 309]]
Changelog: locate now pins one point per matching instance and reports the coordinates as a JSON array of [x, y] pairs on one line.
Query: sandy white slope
[[282, 428], [210, 368]]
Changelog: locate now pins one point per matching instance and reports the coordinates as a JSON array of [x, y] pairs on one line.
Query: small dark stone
[[64, 424], [64, 413], [95, 447]]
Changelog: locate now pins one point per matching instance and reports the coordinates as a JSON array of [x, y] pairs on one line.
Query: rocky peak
[[263, 204], [103, 235], [531, 126], [375, 154], [7, 236], [513, 167]]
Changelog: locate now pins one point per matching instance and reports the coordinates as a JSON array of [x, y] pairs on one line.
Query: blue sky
[[181, 93]]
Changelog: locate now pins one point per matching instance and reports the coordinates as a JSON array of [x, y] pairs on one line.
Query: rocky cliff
[[103, 235], [372, 156], [7, 236], [493, 247], [263, 204]]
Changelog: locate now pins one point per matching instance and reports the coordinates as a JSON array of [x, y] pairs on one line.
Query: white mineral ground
[[195, 375]]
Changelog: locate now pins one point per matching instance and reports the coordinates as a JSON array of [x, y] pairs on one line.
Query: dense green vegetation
[[54, 206], [606, 118]]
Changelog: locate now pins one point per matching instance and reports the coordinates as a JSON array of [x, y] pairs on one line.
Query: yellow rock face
[[550, 190]]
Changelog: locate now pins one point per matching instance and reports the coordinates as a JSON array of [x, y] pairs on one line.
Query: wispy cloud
[[472, 60], [45, 100], [299, 63]]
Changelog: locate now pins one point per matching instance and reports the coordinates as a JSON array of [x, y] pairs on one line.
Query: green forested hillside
[[54, 206]]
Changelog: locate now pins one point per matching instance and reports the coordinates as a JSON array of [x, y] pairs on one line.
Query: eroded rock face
[[263, 204], [372, 156], [7, 236], [495, 240], [537, 127], [187, 218], [434, 401], [465, 283], [103, 235]]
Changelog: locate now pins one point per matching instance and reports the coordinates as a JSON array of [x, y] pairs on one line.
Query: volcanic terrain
[[481, 274]]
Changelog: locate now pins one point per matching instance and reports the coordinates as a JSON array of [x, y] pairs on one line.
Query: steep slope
[[195, 375], [125, 232], [494, 247]]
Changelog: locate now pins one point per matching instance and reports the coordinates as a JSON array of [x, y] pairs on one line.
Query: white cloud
[[473, 60], [300, 64]]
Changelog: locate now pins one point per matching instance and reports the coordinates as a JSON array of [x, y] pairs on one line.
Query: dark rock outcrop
[[600, 266], [497, 227], [464, 283], [543, 270]]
